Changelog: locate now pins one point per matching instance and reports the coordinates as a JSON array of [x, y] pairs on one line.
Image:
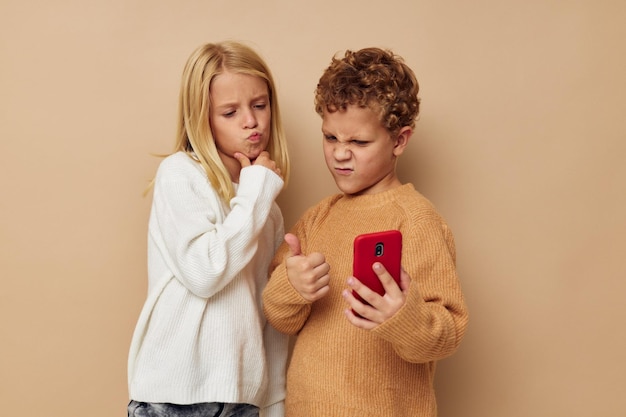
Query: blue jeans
[[140, 409]]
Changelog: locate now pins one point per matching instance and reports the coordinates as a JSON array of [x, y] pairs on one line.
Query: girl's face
[[360, 153], [240, 117]]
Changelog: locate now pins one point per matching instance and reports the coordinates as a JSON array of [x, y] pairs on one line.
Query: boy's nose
[[342, 151]]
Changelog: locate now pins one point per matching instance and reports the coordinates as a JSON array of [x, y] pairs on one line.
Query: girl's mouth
[[255, 137]]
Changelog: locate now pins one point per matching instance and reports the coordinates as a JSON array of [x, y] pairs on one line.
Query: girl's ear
[[402, 140]]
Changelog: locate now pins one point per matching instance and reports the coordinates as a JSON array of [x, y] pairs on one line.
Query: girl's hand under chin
[[263, 159]]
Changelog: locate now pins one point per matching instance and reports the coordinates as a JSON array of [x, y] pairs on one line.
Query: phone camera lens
[[379, 249]]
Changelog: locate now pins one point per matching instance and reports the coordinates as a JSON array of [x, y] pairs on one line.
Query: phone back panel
[[384, 247]]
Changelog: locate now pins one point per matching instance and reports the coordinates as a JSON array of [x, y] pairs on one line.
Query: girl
[[202, 346]]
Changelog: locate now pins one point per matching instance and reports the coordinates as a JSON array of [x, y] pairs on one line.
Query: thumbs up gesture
[[307, 273]]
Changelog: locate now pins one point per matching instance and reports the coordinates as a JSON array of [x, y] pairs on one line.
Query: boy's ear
[[402, 140]]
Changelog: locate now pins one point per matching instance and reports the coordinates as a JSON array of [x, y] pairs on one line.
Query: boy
[[381, 361]]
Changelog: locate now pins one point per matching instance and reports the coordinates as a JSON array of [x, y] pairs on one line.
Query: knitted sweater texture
[[338, 370], [202, 335]]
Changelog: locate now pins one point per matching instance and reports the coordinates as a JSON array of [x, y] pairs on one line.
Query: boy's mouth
[[343, 171]]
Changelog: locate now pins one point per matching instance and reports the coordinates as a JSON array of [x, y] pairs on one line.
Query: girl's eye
[[260, 106], [229, 113]]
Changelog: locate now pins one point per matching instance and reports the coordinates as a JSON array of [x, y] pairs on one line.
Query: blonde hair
[[194, 134]]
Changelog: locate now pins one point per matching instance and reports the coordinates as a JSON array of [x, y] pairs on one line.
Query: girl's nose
[[249, 120]]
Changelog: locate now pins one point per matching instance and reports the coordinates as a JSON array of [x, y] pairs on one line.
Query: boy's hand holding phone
[[307, 273], [378, 282], [381, 307]]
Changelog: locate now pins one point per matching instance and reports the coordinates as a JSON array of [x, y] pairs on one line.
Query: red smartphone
[[384, 247]]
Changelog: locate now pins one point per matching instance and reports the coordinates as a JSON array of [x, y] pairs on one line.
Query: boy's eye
[[359, 142], [330, 138]]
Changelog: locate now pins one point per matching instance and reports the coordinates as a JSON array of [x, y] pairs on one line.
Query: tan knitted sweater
[[338, 370]]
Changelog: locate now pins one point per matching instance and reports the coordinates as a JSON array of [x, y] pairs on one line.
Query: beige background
[[521, 145]]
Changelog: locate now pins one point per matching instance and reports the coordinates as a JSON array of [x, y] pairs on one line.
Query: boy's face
[[360, 153]]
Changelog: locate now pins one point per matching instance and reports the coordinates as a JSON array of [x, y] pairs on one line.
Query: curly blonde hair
[[374, 78]]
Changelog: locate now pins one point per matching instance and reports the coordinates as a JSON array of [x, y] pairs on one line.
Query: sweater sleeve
[[433, 320], [284, 307], [202, 248], [275, 410]]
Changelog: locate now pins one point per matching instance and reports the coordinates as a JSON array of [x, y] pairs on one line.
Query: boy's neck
[[380, 187]]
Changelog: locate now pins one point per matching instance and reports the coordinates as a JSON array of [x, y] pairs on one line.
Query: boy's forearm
[[425, 331], [284, 308]]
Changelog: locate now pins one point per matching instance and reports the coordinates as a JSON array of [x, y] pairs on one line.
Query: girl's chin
[[252, 155]]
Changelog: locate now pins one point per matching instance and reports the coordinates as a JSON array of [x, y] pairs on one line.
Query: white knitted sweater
[[202, 336]]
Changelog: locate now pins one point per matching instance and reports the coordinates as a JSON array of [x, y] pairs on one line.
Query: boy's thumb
[[294, 244]]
